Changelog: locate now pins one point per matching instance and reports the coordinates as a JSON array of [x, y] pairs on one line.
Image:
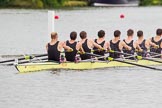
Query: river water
[[25, 32]]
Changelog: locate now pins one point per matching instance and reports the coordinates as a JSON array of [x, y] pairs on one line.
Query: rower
[[116, 45], [54, 47], [87, 45], [130, 42], [72, 43], [144, 44], [100, 41], [158, 41]]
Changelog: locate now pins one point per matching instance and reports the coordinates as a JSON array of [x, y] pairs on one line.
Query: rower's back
[[114, 45], [83, 36], [70, 56], [52, 48], [158, 41], [130, 42], [100, 41], [142, 43]]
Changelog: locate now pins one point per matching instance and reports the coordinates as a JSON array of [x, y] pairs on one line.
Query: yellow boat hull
[[30, 67]]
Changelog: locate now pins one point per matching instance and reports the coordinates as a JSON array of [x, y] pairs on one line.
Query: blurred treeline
[[59, 3], [42, 3], [150, 2]]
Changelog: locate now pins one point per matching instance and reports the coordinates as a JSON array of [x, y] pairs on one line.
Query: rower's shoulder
[[107, 43], [122, 42], [151, 38], [61, 43], [47, 44], [79, 43], [91, 40]]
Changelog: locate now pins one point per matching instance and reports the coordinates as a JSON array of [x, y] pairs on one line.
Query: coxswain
[[158, 41], [130, 42], [87, 45], [116, 45], [54, 48], [72, 43]]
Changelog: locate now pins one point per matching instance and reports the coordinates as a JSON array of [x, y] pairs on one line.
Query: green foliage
[[42, 3], [4, 2], [53, 3], [150, 2], [79, 3], [39, 4]]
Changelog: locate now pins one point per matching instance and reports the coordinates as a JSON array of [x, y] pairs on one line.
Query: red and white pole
[[51, 22]]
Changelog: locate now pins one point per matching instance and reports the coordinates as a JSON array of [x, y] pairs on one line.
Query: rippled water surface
[[25, 32]]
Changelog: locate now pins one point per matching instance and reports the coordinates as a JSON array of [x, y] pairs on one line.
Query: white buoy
[[51, 21]]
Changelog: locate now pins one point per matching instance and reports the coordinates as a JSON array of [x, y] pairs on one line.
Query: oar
[[155, 55], [129, 55], [138, 57], [96, 55], [137, 64], [23, 58], [149, 59], [112, 59], [22, 62], [112, 51]]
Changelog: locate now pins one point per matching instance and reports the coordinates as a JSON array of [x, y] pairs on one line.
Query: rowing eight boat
[[30, 67]]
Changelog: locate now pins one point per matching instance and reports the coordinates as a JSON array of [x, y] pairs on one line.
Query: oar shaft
[[22, 62], [29, 57], [7, 61], [138, 65], [130, 62], [152, 60], [145, 58]]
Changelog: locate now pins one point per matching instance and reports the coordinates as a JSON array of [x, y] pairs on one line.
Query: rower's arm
[[147, 44], [136, 46], [95, 44], [161, 48], [47, 47], [152, 44], [66, 47], [123, 44], [81, 50], [78, 45], [107, 46], [60, 46]]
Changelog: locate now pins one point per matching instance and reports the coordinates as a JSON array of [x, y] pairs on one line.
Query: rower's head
[[117, 33], [83, 35], [73, 35], [130, 32], [139, 33], [159, 32], [101, 34], [54, 35]]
